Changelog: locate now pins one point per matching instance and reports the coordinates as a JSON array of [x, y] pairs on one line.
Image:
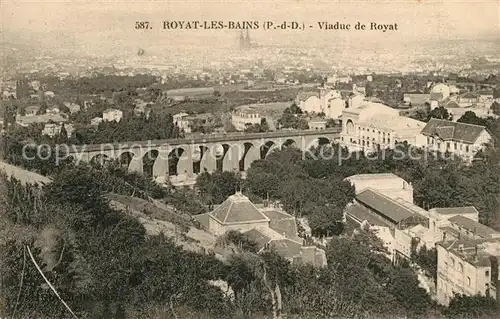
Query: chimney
[[444, 236]]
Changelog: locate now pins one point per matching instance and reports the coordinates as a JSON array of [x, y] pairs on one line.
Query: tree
[[441, 113], [470, 117], [326, 221], [472, 307], [293, 109], [495, 107], [218, 186]]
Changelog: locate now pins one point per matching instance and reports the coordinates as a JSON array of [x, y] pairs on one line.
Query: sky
[[103, 24]]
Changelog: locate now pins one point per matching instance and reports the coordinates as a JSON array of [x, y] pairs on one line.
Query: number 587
[[140, 25]]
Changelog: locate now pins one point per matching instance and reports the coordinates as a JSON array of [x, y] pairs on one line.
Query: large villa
[[269, 227]]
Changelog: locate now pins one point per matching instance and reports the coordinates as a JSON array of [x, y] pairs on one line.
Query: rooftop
[[237, 208], [455, 131], [373, 176], [384, 205], [394, 122], [456, 210], [474, 251], [474, 227], [361, 213], [414, 208]]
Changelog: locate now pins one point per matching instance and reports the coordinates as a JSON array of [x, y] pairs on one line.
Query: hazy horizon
[[92, 27]]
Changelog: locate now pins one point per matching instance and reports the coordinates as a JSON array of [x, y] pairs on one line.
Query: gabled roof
[[451, 105], [237, 209], [384, 205], [282, 223], [359, 213], [258, 237], [455, 131], [456, 210], [474, 227]]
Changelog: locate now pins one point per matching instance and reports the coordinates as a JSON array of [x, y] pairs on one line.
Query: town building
[[317, 123], [31, 110], [95, 121], [325, 101], [49, 94], [393, 222], [469, 267], [268, 227], [53, 129], [244, 116], [441, 88], [416, 99], [111, 115], [180, 119], [372, 126], [461, 139], [388, 184], [72, 107], [43, 118]]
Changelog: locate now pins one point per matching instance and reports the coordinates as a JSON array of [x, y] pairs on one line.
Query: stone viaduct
[[189, 157]]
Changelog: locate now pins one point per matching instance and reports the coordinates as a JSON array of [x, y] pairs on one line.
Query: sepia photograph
[[250, 159]]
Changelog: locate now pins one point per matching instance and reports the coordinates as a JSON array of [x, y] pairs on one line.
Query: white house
[[95, 121], [373, 126], [245, 115], [181, 122], [461, 139], [441, 88], [111, 115], [328, 102]]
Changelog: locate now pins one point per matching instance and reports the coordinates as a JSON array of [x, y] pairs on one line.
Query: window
[[388, 140], [487, 273], [373, 131], [439, 145], [468, 281], [452, 262], [455, 145], [461, 267], [466, 148], [447, 145], [383, 140]]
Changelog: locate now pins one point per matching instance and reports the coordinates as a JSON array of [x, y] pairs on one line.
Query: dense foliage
[[303, 184], [100, 260]]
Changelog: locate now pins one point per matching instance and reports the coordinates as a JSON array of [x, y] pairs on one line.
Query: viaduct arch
[[182, 157]]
